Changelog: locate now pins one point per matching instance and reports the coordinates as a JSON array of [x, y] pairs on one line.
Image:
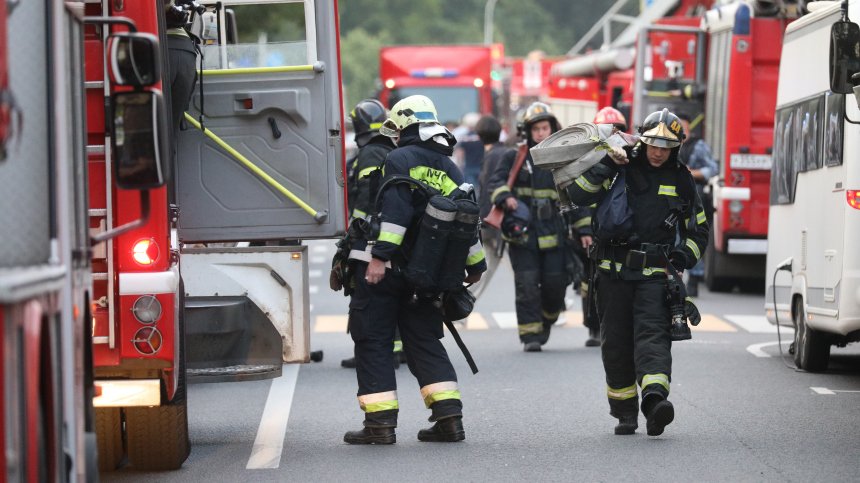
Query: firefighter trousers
[[636, 340], [540, 280], [374, 313]]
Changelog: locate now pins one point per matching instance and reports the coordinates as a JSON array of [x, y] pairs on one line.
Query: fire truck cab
[[213, 285]]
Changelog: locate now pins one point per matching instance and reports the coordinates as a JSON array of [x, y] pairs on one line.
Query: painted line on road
[[506, 320], [269, 444], [571, 318], [831, 392], [318, 259], [756, 349], [320, 248], [312, 289], [756, 324], [331, 323], [712, 323], [476, 321], [314, 273]]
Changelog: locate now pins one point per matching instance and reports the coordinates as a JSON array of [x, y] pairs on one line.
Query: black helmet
[[662, 129], [515, 224], [458, 303], [537, 111], [367, 117]]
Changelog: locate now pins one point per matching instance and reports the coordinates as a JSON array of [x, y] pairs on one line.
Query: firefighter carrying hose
[[390, 263], [540, 256], [664, 222]]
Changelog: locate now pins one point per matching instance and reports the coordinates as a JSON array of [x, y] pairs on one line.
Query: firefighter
[[365, 174], [383, 297], [582, 233], [631, 284], [540, 258], [182, 53]]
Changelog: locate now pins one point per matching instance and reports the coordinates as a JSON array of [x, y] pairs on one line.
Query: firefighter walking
[[668, 224], [384, 298], [540, 257]]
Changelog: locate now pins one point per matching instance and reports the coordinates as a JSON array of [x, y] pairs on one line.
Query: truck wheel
[[713, 281], [157, 437], [811, 347], [109, 438]]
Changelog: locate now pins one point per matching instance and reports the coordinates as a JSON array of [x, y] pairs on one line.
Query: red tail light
[[853, 198], [145, 252]]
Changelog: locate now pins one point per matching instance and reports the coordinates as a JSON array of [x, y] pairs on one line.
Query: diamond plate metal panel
[[24, 186]]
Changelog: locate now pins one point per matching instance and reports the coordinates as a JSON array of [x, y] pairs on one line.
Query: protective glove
[[678, 259], [692, 312]]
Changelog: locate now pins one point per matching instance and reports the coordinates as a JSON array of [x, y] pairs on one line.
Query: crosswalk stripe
[[573, 319], [712, 323], [331, 323], [756, 324], [505, 320]]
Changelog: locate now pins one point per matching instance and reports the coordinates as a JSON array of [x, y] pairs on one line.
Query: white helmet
[[409, 111]]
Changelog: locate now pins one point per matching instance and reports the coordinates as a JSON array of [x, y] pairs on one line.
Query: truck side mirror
[[844, 56], [139, 139], [134, 59]]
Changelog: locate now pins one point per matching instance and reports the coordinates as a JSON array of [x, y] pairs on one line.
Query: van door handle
[[276, 133]]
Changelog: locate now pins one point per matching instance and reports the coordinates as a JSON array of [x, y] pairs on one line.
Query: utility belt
[[635, 257]]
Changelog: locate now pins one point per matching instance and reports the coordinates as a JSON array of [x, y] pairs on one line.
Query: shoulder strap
[[518, 163]]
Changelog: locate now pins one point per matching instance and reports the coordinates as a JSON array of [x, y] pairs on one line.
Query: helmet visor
[[660, 136], [388, 128]]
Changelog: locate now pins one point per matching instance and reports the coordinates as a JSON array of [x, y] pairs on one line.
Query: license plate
[[750, 161]]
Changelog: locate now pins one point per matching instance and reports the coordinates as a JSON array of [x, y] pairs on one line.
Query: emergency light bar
[[434, 72]]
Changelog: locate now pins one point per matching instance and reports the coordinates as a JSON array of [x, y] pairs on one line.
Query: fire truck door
[[269, 165]]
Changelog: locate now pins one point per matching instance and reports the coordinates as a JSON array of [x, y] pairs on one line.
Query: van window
[[260, 35], [811, 113], [783, 172], [833, 129]]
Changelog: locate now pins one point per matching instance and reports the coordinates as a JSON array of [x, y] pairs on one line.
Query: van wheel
[[109, 438], [811, 347]]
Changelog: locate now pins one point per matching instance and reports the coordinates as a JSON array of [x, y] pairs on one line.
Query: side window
[[783, 174], [834, 113], [254, 34], [811, 133]]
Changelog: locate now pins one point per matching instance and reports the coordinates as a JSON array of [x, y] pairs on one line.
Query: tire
[[157, 437], [109, 438], [712, 281], [811, 347]]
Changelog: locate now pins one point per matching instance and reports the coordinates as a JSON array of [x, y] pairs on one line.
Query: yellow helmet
[[406, 112]]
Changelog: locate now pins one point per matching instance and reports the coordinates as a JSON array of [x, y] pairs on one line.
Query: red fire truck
[[458, 78], [259, 159], [722, 65]]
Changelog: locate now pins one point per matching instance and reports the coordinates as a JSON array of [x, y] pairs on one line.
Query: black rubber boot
[[533, 346], [371, 436], [448, 430], [627, 425], [659, 415], [593, 338], [348, 363]]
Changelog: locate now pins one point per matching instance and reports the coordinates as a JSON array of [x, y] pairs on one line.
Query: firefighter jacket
[[656, 196], [535, 187], [365, 175], [427, 161]]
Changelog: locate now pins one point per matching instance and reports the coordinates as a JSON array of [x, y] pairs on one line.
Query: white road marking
[[269, 444], [320, 248], [314, 289], [823, 390], [756, 349], [831, 392], [506, 320], [314, 273], [756, 324], [318, 259]]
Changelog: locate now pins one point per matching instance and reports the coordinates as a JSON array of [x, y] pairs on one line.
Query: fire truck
[[458, 78], [719, 63], [212, 285]]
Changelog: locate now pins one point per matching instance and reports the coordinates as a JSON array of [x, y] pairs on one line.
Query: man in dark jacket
[[632, 267], [541, 259], [385, 299]]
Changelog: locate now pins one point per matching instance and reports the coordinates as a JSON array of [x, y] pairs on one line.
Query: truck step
[[243, 372]]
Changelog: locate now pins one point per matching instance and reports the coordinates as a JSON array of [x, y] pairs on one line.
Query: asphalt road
[[741, 414]]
